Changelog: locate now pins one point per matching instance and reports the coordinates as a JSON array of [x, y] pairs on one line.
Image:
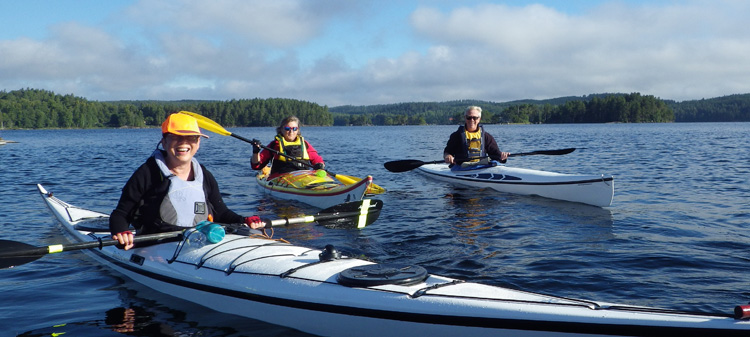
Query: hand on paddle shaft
[[214, 127], [410, 164], [126, 239], [356, 214], [319, 166]]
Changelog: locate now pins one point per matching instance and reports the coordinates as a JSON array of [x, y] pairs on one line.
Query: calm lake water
[[675, 236]]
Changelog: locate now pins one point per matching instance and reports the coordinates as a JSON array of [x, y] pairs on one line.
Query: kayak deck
[[307, 187]]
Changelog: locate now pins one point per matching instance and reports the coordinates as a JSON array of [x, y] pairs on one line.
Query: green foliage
[[732, 108], [629, 108], [597, 108], [32, 108], [35, 109]]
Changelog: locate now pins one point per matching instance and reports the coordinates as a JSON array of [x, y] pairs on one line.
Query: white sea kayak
[[320, 293], [596, 190]]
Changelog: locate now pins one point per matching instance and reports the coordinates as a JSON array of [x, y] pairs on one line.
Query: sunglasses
[[473, 118], [191, 139], [287, 128]]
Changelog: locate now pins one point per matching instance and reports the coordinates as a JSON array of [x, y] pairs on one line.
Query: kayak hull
[[288, 285], [596, 190], [305, 186]]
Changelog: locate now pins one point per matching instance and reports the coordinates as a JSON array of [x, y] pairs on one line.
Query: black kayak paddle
[[356, 214], [410, 164]]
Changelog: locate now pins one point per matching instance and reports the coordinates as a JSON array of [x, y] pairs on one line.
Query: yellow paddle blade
[[214, 127], [348, 180], [207, 123], [375, 189]]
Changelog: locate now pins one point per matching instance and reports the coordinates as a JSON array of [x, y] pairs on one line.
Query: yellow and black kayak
[[314, 188]]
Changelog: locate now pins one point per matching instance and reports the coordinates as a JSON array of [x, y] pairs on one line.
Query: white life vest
[[185, 203]]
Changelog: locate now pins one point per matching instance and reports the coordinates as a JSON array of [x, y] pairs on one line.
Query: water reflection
[[572, 211], [273, 209], [136, 321], [472, 218], [488, 214]]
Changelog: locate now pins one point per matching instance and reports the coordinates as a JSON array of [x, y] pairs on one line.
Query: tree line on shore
[[36, 108]]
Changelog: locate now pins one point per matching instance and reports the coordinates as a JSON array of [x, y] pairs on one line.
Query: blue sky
[[337, 52]]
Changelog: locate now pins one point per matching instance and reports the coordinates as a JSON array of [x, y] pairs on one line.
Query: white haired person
[[470, 143]]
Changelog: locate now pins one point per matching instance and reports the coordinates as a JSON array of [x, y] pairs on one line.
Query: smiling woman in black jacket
[[171, 190]]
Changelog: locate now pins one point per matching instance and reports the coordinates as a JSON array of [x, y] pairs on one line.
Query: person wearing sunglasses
[[171, 190], [291, 152], [470, 144]]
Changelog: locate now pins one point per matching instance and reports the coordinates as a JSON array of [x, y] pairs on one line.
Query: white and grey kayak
[[596, 190], [321, 293]]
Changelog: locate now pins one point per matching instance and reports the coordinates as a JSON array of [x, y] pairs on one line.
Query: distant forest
[[36, 109], [602, 108]]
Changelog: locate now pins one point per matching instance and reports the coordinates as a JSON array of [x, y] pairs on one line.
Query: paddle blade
[[403, 165], [375, 189], [559, 152], [348, 180], [13, 253], [544, 152], [357, 214], [207, 123]]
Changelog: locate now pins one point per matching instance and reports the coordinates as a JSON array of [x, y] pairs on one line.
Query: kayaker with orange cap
[[171, 190]]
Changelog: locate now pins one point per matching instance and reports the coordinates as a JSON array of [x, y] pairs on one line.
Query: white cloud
[[614, 48], [229, 49], [278, 23]]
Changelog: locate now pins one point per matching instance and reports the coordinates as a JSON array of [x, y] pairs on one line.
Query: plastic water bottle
[[213, 232], [203, 233], [196, 239]]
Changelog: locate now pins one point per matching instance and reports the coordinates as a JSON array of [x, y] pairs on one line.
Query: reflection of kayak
[[306, 186], [300, 288], [596, 190]]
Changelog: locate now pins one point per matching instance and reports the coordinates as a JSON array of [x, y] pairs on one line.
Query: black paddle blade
[[544, 152], [14, 253], [566, 151], [350, 214], [555, 152], [403, 165]]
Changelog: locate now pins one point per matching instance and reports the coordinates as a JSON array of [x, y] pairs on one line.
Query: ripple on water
[[675, 236]]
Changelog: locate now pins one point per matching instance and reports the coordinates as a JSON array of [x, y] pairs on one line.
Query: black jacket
[[458, 149], [142, 196]]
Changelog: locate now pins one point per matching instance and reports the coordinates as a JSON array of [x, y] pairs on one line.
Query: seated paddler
[[172, 190], [471, 144], [288, 152]]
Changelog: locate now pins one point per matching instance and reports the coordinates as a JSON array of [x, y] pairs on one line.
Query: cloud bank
[[341, 52]]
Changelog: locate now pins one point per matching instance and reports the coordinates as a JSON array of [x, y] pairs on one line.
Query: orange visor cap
[[181, 124]]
